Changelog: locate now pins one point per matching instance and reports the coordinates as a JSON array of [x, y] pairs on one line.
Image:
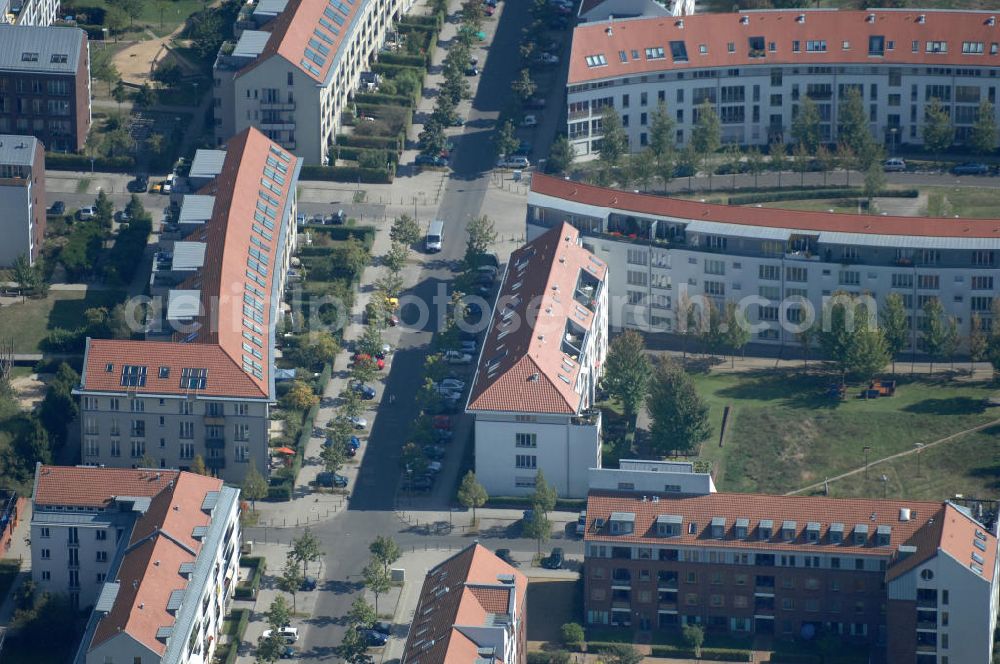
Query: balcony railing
[[576, 115], [927, 603], [622, 606], [667, 585], [667, 606], [215, 443], [215, 420], [278, 105], [927, 624], [215, 463]]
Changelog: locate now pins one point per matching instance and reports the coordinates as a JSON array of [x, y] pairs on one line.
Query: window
[[242, 409], [716, 288], [187, 430], [982, 258], [102, 556], [849, 278], [636, 278], [937, 47], [902, 280], [138, 429], [637, 256], [241, 432], [526, 440], [193, 379], [186, 450], [769, 272], [596, 60], [928, 282], [138, 449], [797, 274], [657, 53], [815, 45], [876, 45], [525, 461], [678, 51], [982, 283], [46, 554]]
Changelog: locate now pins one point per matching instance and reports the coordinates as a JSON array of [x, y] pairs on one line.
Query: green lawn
[[848, 205], [173, 14], [785, 434], [28, 322], [970, 202]]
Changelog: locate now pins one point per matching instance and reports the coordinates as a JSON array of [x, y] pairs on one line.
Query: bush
[[707, 654], [523, 502], [795, 658], [126, 254], [58, 161], [747, 199], [348, 174], [279, 493], [384, 142], [248, 589], [556, 657], [61, 340], [379, 98], [572, 634], [391, 70], [403, 59], [367, 159]]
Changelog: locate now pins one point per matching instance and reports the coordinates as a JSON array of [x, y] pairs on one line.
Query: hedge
[[391, 70], [237, 637], [746, 199], [380, 98], [279, 493], [347, 174], [339, 234], [376, 110], [430, 21], [513, 502], [248, 589], [354, 154], [60, 161], [795, 658], [707, 654], [375, 142], [324, 378], [403, 59]]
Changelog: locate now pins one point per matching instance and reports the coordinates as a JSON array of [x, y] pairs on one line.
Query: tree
[[414, 460], [874, 182], [352, 256], [523, 87], [254, 486], [207, 33], [642, 168], [778, 153], [505, 141], [376, 580], [801, 162], [614, 140], [806, 337], [837, 337], [103, 68], [473, 13], [737, 331], [868, 352], [317, 348], [622, 653], [679, 415], [291, 578], [706, 136], [385, 550], [561, 155], [270, 649], [300, 396], [389, 286], [24, 275], [805, 126], [627, 371], [333, 456], [371, 340], [278, 615], [350, 402], [353, 648], [306, 549], [852, 127], [538, 528], [711, 328], [983, 136], [662, 139], [471, 493], [198, 465], [895, 328], [119, 94], [694, 636], [846, 158], [826, 159], [572, 634], [977, 339], [104, 210], [432, 139], [362, 614], [935, 337], [395, 259], [405, 230], [543, 499], [939, 132], [755, 163], [114, 20], [482, 236]]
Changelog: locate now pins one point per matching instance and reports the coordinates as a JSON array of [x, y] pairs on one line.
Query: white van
[[435, 236], [513, 161]]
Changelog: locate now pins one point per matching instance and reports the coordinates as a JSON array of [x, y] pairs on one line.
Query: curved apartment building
[[777, 264], [756, 67]]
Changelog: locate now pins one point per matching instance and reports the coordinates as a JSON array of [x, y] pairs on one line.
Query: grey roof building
[[22, 197], [55, 50]]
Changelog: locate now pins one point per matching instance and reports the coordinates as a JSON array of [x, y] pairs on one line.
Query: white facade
[[29, 12], [17, 221], [770, 272], [282, 100], [641, 475]]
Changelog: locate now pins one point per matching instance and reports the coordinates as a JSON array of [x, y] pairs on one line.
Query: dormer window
[[718, 527], [812, 532], [788, 529], [882, 535], [622, 523], [765, 529], [860, 534], [669, 525], [742, 526], [836, 533]]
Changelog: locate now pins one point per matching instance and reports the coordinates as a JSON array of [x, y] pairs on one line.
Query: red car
[[442, 422], [361, 357], [488, 10]]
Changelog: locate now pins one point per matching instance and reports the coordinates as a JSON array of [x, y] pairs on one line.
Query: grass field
[[969, 202], [784, 434], [161, 17], [28, 322]]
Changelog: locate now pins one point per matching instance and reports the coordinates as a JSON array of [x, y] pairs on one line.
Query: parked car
[[546, 59], [555, 559], [455, 357], [434, 452], [379, 363], [358, 422], [139, 184], [422, 483], [58, 207], [366, 391], [291, 634], [970, 168], [442, 422], [354, 442], [331, 480], [581, 523], [452, 384], [308, 583], [530, 120], [527, 515], [434, 467], [513, 161], [289, 652], [472, 70], [894, 165], [430, 160], [122, 217], [86, 213], [373, 637], [504, 555], [442, 435], [535, 103]]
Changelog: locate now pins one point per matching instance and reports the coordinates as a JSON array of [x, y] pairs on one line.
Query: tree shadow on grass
[[961, 405], [794, 391]]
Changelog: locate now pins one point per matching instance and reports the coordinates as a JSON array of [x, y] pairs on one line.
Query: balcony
[[277, 125], [621, 606], [587, 418], [278, 105], [927, 603], [666, 606], [288, 145], [215, 443], [576, 115], [667, 585], [926, 648], [215, 463], [801, 256], [215, 420], [927, 625]]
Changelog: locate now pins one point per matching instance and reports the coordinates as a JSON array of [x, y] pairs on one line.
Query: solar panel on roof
[[175, 600]]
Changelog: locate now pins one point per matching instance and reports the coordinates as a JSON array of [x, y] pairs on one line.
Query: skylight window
[[937, 47], [59, 58], [623, 56], [656, 53], [29, 57], [133, 375], [876, 45], [194, 379], [164, 372], [816, 46], [678, 51], [596, 60]]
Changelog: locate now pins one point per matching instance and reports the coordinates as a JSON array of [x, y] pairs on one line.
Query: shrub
[[366, 158], [707, 654], [402, 59], [126, 254], [384, 142], [800, 194], [60, 340], [380, 98], [348, 174], [279, 493], [391, 70], [58, 161], [572, 634], [248, 589]]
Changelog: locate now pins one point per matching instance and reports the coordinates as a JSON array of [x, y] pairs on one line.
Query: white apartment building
[[294, 66], [472, 608], [155, 553], [533, 403], [642, 475], [29, 12], [756, 67], [776, 264], [205, 385], [943, 592], [22, 197]]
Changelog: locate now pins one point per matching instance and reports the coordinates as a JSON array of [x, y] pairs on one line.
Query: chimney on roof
[[744, 20], [608, 31], [992, 20], [870, 18], [801, 18], [904, 513], [922, 18], [680, 23], [905, 551], [135, 583]]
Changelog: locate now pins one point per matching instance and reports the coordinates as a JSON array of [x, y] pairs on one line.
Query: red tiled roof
[[218, 343], [87, 486], [716, 31], [161, 540], [455, 594], [529, 375], [225, 376], [292, 30], [958, 534], [665, 206], [700, 510]]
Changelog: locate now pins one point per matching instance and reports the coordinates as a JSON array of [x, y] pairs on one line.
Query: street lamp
[[885, 485], [919, 447], [892, 143]]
